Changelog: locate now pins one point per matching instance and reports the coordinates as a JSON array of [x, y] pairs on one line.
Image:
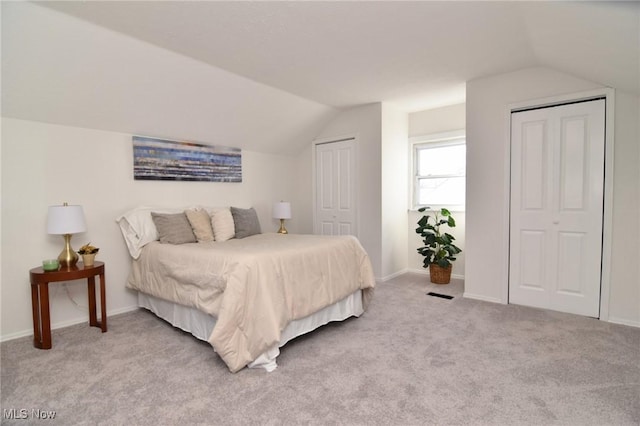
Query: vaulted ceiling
[[295, 63]]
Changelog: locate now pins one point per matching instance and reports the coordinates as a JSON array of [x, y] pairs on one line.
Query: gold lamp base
[[67, 256], [282, 229]]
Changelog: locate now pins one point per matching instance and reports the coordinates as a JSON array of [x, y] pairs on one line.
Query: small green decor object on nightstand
[[88, 253], [50, 265], [439, 250]]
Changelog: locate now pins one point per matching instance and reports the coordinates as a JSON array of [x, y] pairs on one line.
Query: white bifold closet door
[[335, 188], [557, 193]]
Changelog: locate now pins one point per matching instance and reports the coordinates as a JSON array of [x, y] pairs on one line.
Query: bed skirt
[[200, 324]]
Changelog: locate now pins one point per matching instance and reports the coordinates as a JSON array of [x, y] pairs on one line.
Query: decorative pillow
[[138, 229], [222, 224], [245, 221], [201, 224], [173, 228]]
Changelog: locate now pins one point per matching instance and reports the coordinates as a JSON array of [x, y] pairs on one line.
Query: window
[[439, 164]]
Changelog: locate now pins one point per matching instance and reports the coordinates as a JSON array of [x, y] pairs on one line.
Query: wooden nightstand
[[40, 280]]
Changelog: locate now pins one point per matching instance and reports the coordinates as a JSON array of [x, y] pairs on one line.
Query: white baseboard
[[63, 324], [16, 335], [624, 322], [426, 272], [392, 276], [481, 297]]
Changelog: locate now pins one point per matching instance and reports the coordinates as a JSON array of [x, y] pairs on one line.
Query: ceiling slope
[[597, 41], [62, 70], [267, 76], [413, 54]]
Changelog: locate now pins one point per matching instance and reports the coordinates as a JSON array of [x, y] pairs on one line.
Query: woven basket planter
[[440, 275], [88, 259]]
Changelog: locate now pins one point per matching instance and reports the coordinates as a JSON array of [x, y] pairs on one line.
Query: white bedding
[[201, 325], [255, 286]]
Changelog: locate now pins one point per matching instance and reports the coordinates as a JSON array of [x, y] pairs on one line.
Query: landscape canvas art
[[160, 159]]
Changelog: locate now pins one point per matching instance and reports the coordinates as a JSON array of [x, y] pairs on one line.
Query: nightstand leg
[[103, 303], [93, 315], [35, 307], [41, 320], [91, 292], [46, 319]]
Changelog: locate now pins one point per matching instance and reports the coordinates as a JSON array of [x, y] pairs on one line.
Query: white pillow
[[201, 224], [138, 228], [222, 224]]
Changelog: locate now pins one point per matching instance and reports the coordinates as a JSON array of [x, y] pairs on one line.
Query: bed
[[249, 296]]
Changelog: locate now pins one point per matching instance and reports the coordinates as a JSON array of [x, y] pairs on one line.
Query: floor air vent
[[443, 296]]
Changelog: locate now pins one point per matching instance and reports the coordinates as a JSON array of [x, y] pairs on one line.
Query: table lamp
[[282, 211], [66, 220]]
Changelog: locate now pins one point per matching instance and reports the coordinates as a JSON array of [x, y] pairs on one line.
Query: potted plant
[[438, 250], [88, 253]]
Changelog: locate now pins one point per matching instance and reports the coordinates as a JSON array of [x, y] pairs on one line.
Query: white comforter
[[254, 286]]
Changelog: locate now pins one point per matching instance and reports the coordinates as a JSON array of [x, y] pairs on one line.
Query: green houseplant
[[438, 250]]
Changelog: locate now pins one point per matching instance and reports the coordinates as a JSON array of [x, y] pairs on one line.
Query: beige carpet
[[411, 359]]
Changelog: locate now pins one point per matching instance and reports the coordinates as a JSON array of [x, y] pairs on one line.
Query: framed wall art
[[161, 159]]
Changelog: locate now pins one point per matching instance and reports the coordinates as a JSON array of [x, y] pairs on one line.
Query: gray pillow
[[245, 221], [173, 228]]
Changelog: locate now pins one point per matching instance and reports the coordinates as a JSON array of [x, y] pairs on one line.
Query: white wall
[[60, 69], [437, 120], [44, 164], [488, 184], [429, 122], [302, 207], [381, 134], [624, 297], [395, 191], [364, 122]]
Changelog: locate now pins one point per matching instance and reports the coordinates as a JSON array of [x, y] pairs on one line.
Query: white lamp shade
[[282, 210], [65, 220]]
